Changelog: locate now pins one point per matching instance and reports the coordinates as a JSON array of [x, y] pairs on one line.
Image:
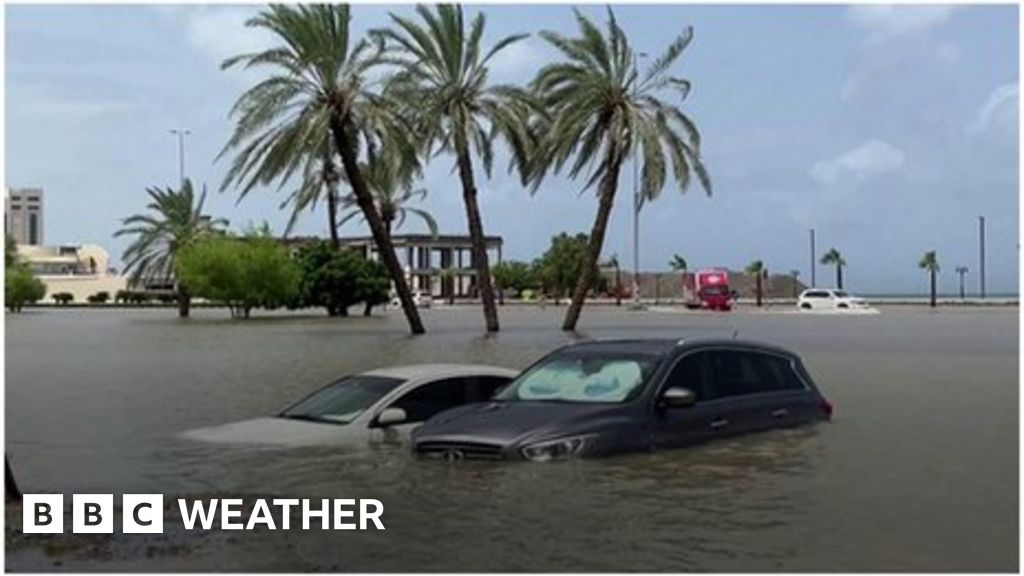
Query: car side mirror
[[390, 417], [678, 397]]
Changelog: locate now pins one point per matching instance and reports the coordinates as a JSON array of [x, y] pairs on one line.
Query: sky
[[886, 129]]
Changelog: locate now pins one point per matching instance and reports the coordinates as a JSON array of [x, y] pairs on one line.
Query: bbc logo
[[93, 514]]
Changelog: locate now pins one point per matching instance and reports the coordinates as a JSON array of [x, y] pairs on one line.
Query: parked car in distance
[[386, 402], [829, 299], [604, 397], [419, 299]]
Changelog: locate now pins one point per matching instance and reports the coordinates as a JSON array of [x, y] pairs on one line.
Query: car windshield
[[715, 290], [582, 377], [343, 401]]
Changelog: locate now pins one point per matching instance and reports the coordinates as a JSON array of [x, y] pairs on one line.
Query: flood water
[[917, 471]]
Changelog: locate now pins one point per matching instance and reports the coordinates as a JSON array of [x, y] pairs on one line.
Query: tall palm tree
[[930, 263], [319, 85], [175, 220], [834, 257], [600, 111], [443, 79], [757, 269], [678, 263], [321, 177], [391, 185], [613, 261]]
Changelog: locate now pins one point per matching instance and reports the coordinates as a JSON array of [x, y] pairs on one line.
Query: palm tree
[[834, 257], [175, 220], [796, 282], [678, 263], [962, 271], [319, 85], [320, 177], [450, 276], [391, 185], [930, 263], [600, 111], [757, 269], [443, 80]]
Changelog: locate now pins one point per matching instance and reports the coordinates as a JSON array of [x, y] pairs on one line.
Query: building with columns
[[424, 257]]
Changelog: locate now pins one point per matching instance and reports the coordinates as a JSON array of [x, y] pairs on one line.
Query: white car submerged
[[830, 299], [362, 406]]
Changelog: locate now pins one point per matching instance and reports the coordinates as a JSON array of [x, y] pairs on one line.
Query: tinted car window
[[816, 295], [738, 373], [429, 399], [484, 387], [694, 372]]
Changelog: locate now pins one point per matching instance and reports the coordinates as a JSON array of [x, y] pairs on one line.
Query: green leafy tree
[[600, 111], [930, 263], [443, 78], [561, 266], [21, 287], [319, 83], [10, 251], [175, 221], [758, 271], [678, 263], [513, 275], [243, 273], [329, 278], [372, 285], [834, 258]]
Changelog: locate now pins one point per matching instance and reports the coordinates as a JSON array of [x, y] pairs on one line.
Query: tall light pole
[[181, 133], [981, 249], [637, 201], [814, 263]]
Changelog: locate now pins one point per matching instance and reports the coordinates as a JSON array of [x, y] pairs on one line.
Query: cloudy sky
[[886, 129]]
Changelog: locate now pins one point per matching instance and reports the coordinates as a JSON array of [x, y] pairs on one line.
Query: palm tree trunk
[[618, 286], [932, 273], [11, 491], [330, 175], [839, 276], [758, 280], [476, 235], [349, 160], [609, 184]]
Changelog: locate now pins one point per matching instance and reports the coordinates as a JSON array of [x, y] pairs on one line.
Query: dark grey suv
[[609, 396]]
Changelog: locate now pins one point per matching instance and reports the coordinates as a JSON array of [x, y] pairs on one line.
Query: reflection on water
[[922, 454]]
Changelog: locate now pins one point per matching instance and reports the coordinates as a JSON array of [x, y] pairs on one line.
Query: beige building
[[82, 270], [23, 215]]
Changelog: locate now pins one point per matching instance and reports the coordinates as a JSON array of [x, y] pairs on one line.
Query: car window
[[841, 294], [342, 401], [484, 387], [694, 372], [429, 399], [739, 373], [817, 294], [582, 376]]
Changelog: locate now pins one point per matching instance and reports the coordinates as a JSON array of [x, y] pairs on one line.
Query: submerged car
[[829, 299], [362, 406], [605, 397]]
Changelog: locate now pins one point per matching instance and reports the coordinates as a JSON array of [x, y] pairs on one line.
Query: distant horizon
[[886, 129]]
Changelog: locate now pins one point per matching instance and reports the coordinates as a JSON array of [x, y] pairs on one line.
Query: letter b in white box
[[92, 514], [42, 513], [142, 513]]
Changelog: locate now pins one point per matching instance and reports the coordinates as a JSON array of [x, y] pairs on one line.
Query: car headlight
[[560, 449]]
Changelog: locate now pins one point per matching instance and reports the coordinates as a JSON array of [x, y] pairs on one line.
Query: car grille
[[460, 450]]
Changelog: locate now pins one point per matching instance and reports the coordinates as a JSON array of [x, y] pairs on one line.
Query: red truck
[[707, 288]]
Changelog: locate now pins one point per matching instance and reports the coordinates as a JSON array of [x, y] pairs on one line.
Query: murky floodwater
[[918, 471]]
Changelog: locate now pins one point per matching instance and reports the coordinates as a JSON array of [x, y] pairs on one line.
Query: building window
[[33, 228]]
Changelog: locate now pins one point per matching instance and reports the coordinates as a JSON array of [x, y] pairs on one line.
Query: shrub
[[329, 278], [98, 298], [21, 287], [63, 298]]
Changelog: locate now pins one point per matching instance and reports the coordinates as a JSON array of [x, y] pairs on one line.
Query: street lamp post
[[981, 249], [181, 133], [814, 263], [961, 271], [637, 203]]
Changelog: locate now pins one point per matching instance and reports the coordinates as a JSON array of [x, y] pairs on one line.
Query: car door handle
[[720, 423], [781, 412]]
